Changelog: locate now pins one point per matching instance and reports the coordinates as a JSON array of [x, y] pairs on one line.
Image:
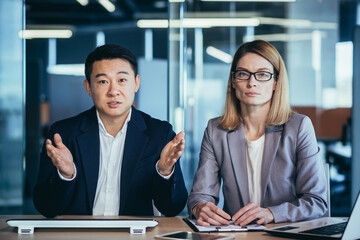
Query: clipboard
[[224, 228]]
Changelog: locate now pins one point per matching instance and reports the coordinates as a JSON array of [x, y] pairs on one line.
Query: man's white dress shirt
[[107, 196]]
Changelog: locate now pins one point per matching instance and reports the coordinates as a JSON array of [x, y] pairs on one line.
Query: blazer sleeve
[[206, 183], [52, 194], [170, 195], [310, 181]]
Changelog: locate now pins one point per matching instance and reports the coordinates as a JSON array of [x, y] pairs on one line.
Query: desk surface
[[166, 225]]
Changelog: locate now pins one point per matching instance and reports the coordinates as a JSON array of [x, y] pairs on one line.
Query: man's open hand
[[60, 156], [171, 153]]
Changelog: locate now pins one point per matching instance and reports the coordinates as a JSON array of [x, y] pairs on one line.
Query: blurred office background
[[184, 49]]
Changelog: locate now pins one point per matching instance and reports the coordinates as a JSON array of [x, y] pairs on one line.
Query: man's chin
[[115, 113]]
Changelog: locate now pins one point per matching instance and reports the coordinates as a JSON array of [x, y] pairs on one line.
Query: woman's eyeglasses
[[261, 76]]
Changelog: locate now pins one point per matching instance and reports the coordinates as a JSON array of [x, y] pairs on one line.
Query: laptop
[[323, 228], [27, 226]]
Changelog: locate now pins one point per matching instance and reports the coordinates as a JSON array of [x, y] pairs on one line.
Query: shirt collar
[[102, 127]]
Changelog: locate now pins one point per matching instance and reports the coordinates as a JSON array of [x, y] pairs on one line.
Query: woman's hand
[[251, 212], [207, 213]]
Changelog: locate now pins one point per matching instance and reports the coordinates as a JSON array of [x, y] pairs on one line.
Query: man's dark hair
[[109, 52]]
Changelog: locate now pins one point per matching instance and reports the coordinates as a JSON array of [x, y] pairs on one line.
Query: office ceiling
[[71, 12]]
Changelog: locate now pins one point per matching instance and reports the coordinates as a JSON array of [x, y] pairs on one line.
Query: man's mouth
[[113, 104]]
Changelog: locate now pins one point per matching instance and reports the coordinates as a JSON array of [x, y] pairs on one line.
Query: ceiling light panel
[[30, 34]]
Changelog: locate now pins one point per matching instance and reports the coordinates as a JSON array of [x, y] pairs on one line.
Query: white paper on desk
[[230, 228]]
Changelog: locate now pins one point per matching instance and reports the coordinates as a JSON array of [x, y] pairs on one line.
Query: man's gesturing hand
[[171, 153], [61, 157], [207, 213]]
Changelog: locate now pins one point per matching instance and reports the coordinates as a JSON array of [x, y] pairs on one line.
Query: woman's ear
[[274, 86], [232, 81]]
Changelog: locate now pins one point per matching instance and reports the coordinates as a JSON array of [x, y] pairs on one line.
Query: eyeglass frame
[[252, 73]]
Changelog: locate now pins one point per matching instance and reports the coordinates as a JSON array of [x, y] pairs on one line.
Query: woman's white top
[[254, 156]]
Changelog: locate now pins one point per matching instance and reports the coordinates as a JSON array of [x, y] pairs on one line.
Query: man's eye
[[102, 82], [122, 80]]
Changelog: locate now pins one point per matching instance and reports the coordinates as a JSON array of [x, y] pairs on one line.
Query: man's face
[[113, 87]]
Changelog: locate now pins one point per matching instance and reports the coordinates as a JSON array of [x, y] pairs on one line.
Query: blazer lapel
[[272, 139], [237, 148], [135, 143], [89, 145]]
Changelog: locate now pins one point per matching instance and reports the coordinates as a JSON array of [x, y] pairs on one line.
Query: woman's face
[[253, 92]]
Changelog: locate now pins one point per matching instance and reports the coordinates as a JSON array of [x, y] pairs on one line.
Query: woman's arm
[[310, 181], [204, 195]]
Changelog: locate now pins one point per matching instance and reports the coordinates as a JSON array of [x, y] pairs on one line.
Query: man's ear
[[137, 83], [87, 87]]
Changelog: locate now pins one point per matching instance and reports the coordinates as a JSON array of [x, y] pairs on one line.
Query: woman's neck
[[254, 118]]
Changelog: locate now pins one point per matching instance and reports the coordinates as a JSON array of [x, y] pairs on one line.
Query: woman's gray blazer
[[294, 186]]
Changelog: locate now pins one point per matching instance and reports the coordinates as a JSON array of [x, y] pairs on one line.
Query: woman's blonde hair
[[280, 110]]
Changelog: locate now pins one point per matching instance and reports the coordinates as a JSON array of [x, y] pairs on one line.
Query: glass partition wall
[[204, 35], [11, 107]]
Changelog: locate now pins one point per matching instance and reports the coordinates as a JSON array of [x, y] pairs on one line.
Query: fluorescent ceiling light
[[284, 22], [83, 2], [30, 33], [153, 23], [221, 14], [108, 5], [198, 22], [234, 22], [172, 1], [216, 53], [297, 23], [283, 37], [67, 69], [248, 0], [220, 22]]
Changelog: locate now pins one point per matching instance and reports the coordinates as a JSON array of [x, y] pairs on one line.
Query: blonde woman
[[266, 156]]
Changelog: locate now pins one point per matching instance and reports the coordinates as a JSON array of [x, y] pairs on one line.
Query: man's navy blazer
[[140, 182]]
